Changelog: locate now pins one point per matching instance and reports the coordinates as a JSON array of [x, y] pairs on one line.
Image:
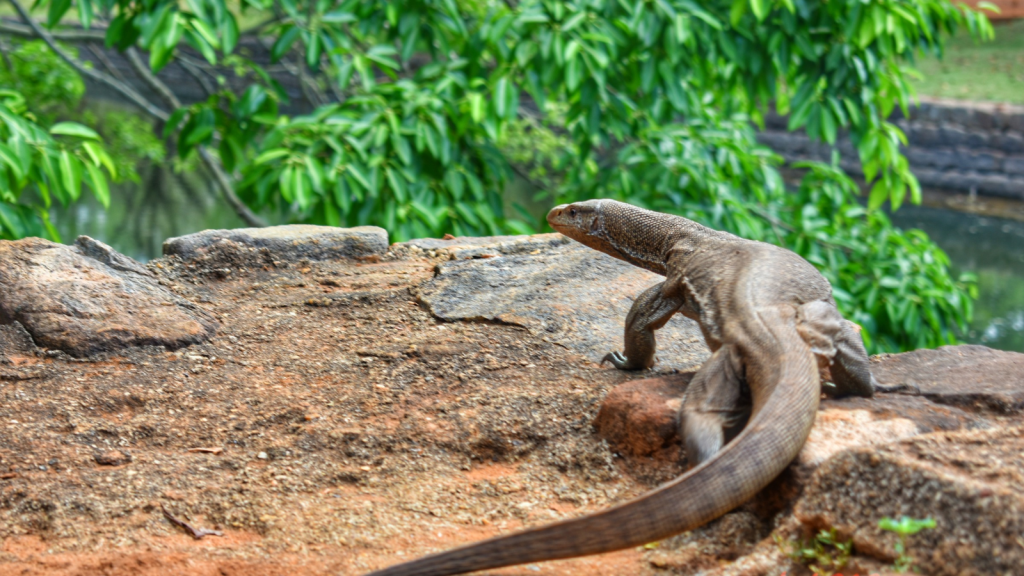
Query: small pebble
[[262, 455]]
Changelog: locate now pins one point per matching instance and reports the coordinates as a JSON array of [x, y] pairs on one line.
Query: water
[[166, 204], [992, 248], [142, 215]]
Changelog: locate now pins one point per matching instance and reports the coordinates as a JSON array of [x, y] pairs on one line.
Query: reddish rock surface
[[639, 418]]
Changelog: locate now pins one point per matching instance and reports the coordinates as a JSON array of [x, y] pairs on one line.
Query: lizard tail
[[785, 388]]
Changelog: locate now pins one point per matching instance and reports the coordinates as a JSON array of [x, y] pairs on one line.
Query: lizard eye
[[572, 211]]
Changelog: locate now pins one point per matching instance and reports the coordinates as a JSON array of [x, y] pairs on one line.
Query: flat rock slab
[[87, 298], [969, 376], [971, 483], [573, 295], [256, 246]]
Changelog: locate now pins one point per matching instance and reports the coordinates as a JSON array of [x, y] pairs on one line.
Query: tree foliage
[[45, 164], [423, 102]]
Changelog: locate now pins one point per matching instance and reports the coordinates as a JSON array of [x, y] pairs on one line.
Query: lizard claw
[[617, 360], [909, 389]]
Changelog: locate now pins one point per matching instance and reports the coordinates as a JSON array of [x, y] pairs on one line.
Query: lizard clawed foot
[[619, 361], [909, 389]]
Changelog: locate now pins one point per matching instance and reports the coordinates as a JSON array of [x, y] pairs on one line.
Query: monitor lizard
[[768, 317]]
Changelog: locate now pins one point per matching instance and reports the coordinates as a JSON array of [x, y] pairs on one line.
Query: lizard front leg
[[650, 311]]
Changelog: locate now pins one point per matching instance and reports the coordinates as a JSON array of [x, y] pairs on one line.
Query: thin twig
[[6, 57], [196, 71], [224, 182], [126, 90], [102, 57], [227, 189], [196, 533], [142, 71]]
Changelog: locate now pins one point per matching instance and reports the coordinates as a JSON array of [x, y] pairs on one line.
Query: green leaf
[[760, 8], [100, 157], [397, 183], [85, 13], [270, 155], [9, 157], [501, 90], [284, 43], [476, 106], [74, 129], [98, 183], [229, 34], [71, 174], [879, 194], [205, 31], [339, 16], [57, 10]]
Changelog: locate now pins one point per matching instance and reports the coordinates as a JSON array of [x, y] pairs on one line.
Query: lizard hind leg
[[715, 406], [837, 344]]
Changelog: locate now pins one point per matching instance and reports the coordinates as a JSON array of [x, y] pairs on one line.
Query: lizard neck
[[642, 237]]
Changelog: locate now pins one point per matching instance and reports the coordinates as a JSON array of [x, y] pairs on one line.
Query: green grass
[[992, 71]]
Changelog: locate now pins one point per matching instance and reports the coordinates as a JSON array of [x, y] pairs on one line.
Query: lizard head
[[584, 223]]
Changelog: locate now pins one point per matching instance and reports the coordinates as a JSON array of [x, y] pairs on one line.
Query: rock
[[971, 483], [573, 295], [112, 458], [87, 298], [886, 418], [969, 376], [639, 418], [259, 246]]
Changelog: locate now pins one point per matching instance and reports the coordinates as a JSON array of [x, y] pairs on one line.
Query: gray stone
[[924, 135], [976, 160], [279, 243], [87, 298], [976, 139], [573, 295], [952, 136], [1014, 165], [971, 483], [968, 376], [931, 158], [1010, 142], [999, 185], [985, 120]]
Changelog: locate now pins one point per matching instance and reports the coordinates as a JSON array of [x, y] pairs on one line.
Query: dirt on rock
[[334, 424], [347, 429]]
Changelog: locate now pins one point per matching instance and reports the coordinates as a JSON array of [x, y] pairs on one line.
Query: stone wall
[[953, 145]]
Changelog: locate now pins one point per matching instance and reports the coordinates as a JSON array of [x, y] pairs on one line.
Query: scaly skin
[[765, 313]]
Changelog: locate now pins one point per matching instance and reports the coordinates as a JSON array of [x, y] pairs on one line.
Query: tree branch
[[102, 57], [142, 71], [223, 180], [126, 90], [73, 35], [196, 71]]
